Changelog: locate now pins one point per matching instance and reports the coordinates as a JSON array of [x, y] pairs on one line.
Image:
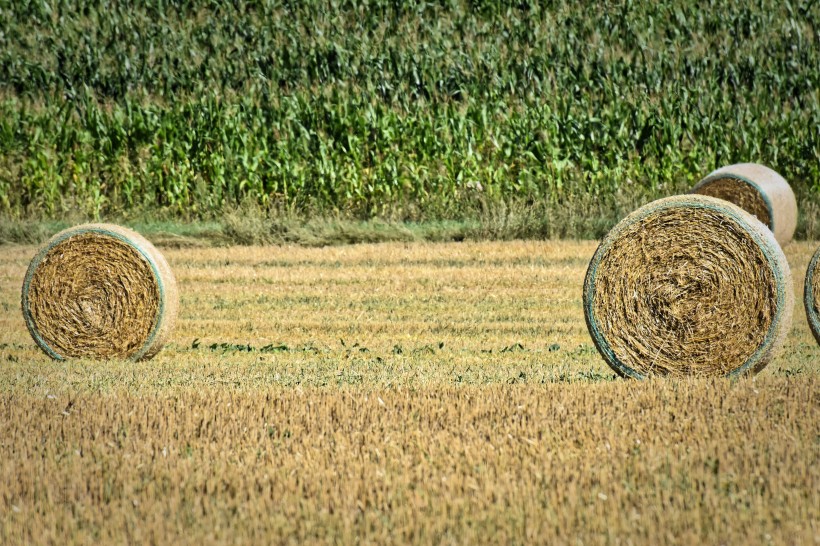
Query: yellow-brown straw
[[741, 194], [99, 291], [688, 285], [812, 295], [759, 190]]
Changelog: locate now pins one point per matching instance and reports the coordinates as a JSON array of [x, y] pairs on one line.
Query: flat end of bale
[[99, 291], [758, 190], [688, 286], [811, 295]]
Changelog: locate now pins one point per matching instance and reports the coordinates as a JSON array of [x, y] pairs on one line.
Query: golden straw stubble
[[99, 291], [688, 285]]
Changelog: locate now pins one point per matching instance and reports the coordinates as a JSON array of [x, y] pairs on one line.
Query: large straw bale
[[99, 291], [688, 286]]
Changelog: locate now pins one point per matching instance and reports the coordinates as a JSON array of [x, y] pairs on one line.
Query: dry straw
[[688, 286], [811, 295], [756, 189], [99, 291]]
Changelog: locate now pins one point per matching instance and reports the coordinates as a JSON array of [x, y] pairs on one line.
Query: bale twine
[[756, 189], [99, 291], [811, 295], [688, 286]]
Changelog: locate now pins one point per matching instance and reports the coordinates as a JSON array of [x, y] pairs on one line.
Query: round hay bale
[[99, 291], [811, 295], [758, 190], [688, 286]]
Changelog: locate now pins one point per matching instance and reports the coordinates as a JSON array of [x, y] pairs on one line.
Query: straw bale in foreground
[[99, 291], [688, 285]]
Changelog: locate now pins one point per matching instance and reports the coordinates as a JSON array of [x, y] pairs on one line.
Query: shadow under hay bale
[[688, 286], [99, 291], [758, 190], [811, 295]]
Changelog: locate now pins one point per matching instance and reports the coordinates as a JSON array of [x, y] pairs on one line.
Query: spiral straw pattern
[[688, 286], [99, 291]]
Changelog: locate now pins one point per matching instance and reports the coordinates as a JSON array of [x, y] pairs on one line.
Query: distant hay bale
[[811, 295], [758, 190], [688, 286], [99, 291]]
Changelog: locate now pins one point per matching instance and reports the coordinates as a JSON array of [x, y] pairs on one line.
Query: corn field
[[408, 110]]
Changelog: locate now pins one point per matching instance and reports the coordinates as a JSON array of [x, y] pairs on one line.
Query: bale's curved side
[[99, 291], [688, 285], [170, 311], [758, 190], [811, 295]]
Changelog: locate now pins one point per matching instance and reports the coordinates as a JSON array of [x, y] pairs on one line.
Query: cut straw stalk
[[688, 285], [99, 291], [759, 190], [811, 295]]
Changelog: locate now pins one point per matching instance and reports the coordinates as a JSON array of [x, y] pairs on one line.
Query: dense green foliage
[[406, 109]]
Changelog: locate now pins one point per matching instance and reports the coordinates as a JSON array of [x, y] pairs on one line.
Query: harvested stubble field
[[419, 393]]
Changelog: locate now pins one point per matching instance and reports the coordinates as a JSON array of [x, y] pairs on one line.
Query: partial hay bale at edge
[[757, 189], [99, 291], [688, 286], [811, 295]]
